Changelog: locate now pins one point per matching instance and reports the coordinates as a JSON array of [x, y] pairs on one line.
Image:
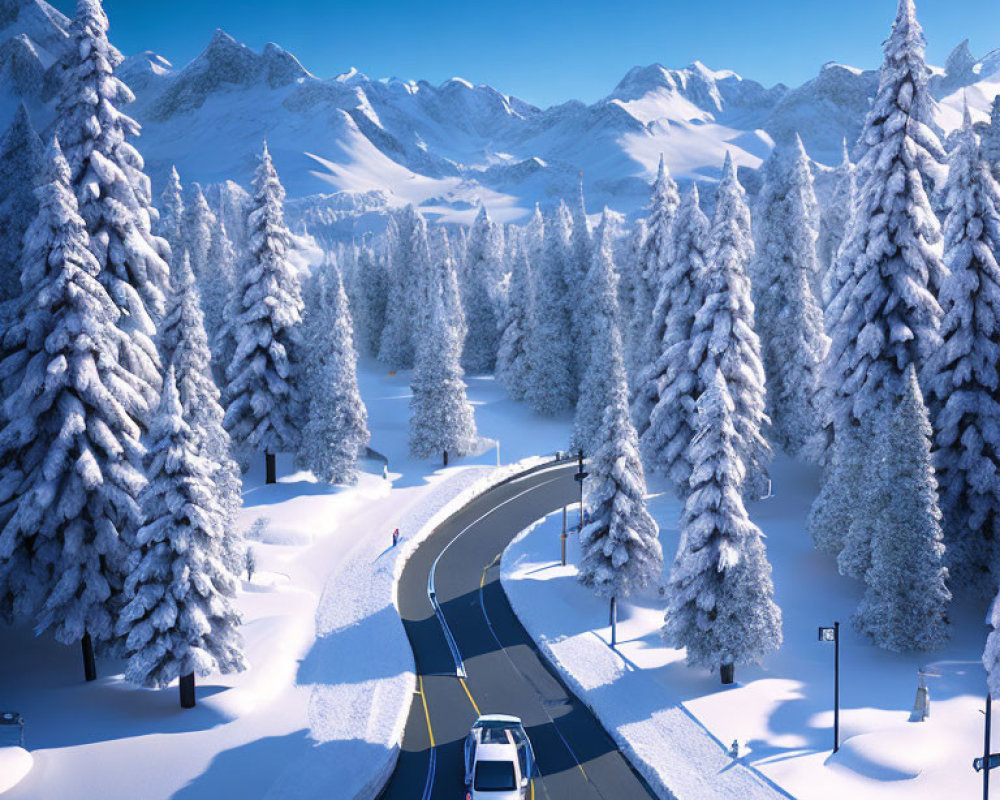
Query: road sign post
[[580, 477], [987, 758], [833, 635]]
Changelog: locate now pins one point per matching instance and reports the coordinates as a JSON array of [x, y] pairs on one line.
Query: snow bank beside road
[[15, 763]]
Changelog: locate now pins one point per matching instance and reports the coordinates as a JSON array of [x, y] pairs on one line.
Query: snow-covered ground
[[679, 722], [321, 710]]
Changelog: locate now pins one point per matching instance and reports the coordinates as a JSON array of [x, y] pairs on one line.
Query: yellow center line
[[532, 784], [482, 581], [469, 695], [427, 714]]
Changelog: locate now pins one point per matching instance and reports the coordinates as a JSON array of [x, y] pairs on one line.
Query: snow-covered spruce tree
[[963, 385], [396, 350], [513, 368], [482, 264], [337, 430], [833, 225], [534, 237], [170, 225], [788, 319], [991, 139], [373, 294], [905, 604], [723, 335], [22, 159], [621, 551], [113, 191], [884, 316], [70, 443], [667, 388], [199, 222], [216, 285], [721, 600], [840, 495], [262, 396], [442, 420], [179, 620], [628, 287], [551, 386], [184, 346], [577, 264], [650, 268], [601, 296], [440, 278]]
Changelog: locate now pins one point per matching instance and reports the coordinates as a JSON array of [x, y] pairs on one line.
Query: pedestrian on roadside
[[395, 537]]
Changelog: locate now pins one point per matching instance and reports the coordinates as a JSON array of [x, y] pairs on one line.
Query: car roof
[[496, 752], [499, 718]]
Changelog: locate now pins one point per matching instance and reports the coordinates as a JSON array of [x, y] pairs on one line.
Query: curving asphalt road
[[505, 674]]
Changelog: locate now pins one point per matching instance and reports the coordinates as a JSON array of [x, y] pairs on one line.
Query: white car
[[498, 759]]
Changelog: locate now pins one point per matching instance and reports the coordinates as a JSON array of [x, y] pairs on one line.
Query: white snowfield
[[320, 712], [678, 724]]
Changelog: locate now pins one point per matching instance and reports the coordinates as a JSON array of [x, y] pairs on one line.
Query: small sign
[[977, 763], [580, 476], [828, 634]]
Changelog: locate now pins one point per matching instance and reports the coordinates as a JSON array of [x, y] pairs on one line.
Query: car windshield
[[495, 776]]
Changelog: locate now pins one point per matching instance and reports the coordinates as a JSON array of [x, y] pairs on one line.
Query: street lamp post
[[986, 748], [833, 635], [579, 478]]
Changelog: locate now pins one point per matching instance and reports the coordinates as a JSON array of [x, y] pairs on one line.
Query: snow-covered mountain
[[447, 147]]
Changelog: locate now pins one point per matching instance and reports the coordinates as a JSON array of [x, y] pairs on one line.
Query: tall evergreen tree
[[263, 399], [442, 419], [963, 384], [551, 387], [884, 316], [22, 161], [598, 383], [171, 223], [482, 265], [621, 551], [667, 388], [439, 278], [184, 346], [788, 318], [991, 139], [513, 367], [721, 605], [179, 620], [651, 268], [396, 349], [216, 284], [337, 430], [833, 226], [579, 252], [113, 192], [70, 443], [373, 295], [723, 335], [199, 223], [905, 604]]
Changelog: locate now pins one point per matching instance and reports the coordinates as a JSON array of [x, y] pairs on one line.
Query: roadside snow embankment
[[15, 763]]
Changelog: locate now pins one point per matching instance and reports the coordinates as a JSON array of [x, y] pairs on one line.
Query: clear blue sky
[[548, 51]]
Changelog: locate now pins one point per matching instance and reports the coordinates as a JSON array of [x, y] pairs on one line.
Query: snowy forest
[[158, 341]]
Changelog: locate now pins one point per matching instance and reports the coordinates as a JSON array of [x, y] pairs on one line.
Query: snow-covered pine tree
[[513, 368], [179, 620], [840, 495], [216, 285], [262, 397], [905, 604], [199, 223], [721, 600], [601, 297], [70, 442], [373, 294], [442, 420], [113, 192], [534, 237], [723, 334], [170, 226], [22, 160], [577, 264], [650, 268], [667, 388], [621, 551], [833, 225], [788, 319], [439, 277], [184, 346], [963, 385], [482, 264], [402, 315], [884, 317], [628, 287], [337, 430], [991, 139], [551, 386]]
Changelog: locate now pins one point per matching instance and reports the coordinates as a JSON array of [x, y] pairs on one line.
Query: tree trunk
[[446, 458], [271, 468], [187, 690], [614, 621], [89, 664], [728, 673]]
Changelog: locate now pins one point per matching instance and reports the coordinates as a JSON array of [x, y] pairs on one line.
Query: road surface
[[576, 758]]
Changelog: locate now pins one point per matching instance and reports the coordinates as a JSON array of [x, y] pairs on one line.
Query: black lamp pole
[[580, 477], [986, 748]]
